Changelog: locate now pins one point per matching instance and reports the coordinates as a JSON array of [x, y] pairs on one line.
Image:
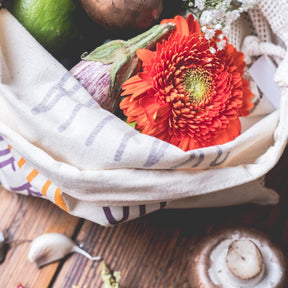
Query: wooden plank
[[143, 252], [154, 251], [24, 218]]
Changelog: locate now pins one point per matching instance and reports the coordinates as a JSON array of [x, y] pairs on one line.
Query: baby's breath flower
[[218, 14], [225, 30], [212, 50], [221, 44], [200, 4], [206, 18], [246, 4], [209, 33], [218, 26], [233, 15]]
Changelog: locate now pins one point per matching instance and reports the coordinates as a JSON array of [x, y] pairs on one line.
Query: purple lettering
[[198, 160], [216, 162], [4, 152], [27, 186], [7, 162], [111, 218], [157, 152]]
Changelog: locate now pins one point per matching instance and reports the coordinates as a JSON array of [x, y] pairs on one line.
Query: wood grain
[[24, 218], [152, 251]]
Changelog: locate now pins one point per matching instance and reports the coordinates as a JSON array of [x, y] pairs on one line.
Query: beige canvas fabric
[[57, 143]]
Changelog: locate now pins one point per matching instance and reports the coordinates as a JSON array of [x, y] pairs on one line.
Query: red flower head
[[186, 94]]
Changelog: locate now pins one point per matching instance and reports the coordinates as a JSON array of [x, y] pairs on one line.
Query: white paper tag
[[263, 72]]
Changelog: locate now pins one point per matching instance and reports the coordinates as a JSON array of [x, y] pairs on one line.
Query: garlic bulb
[[50, 247]]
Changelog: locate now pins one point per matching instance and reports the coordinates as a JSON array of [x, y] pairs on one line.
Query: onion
[[119, 15]]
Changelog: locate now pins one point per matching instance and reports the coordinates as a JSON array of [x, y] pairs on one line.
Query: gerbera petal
[[150, 107], [145, 56], [185, 144], [162, 113], [136, 85], [229, 133], [181, 25], [247, 104], [184, 94], [146, 77], [193, 24]]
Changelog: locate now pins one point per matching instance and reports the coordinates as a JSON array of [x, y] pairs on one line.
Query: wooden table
[[152, 251]]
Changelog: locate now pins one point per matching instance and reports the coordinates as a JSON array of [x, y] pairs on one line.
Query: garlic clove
[[50, 247], [79, 250]]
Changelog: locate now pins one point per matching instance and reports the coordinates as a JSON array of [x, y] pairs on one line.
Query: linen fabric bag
[[57, 143]]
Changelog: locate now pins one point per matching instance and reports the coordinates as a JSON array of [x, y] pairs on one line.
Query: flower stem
[[150, 37]]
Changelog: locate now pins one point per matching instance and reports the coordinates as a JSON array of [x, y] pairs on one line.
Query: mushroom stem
[[244, 259]]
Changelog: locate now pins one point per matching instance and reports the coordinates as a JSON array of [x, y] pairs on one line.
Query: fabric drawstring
[[252, 46]]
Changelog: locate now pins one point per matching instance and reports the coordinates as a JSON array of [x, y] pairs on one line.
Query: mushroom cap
[[208, 268]]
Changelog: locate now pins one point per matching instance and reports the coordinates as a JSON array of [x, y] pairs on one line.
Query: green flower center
[[197, 82]]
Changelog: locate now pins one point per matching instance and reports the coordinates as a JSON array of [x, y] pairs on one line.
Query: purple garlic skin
[[95, 77]]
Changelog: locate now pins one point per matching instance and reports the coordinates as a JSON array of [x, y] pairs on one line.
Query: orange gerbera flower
[[186, 94]]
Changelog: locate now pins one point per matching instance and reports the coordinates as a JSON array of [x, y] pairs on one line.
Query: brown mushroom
[[240, 257], [116, 15], [244, 259]]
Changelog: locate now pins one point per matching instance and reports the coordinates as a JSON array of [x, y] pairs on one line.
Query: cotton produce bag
[[57, 143]]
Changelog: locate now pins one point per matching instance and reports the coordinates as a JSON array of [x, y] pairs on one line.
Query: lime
[[51, 22]]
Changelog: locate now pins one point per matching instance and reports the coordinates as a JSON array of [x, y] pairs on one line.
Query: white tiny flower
[[247, 4], [204, 29], [219, 13], [221, 44], [241, 9], [218, 26], [206, 18], [200, 4], [234, 14], [220, 36], [209, 34], [226, 29], [231, 16], [212, 50]]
